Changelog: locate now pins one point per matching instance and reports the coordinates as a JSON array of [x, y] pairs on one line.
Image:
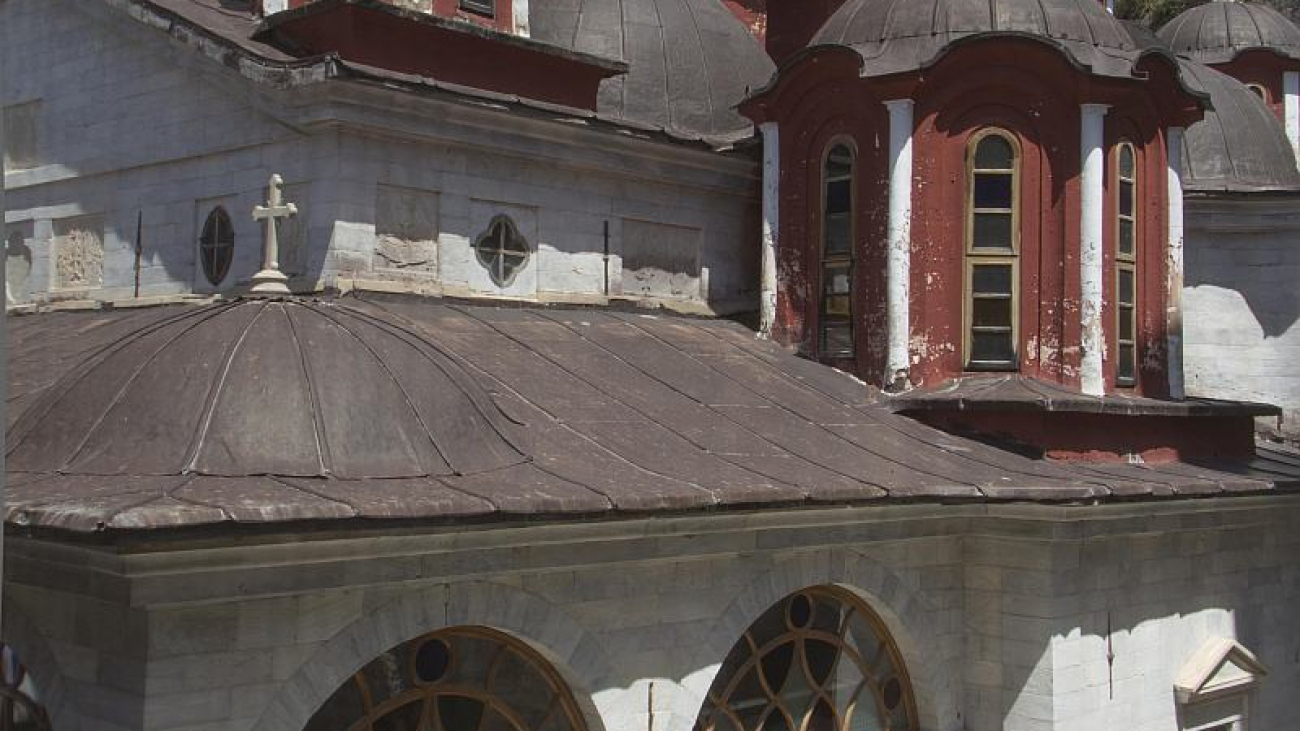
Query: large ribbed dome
[[690, 61], [1217, 31], [1240, 146], [896, 36], [258, 387]]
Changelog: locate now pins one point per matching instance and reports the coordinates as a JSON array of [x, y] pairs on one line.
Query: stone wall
[[145, 136], [1241, 303], [1005, 616]]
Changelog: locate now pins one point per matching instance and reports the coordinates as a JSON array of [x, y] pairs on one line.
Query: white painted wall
[[1241, 302]]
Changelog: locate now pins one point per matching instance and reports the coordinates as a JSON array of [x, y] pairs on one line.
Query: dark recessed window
[[992, 249], [217, 246], [1259, 91], [1126, 264], [486, 8], [502, 250], [837, 254]]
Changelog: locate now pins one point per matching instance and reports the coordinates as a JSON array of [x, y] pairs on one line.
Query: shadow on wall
[[1262, 268]]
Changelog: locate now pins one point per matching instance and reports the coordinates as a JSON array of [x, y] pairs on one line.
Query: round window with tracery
[[820, 660], [20, 707], [217, 246], [465, 679], [502, 250]]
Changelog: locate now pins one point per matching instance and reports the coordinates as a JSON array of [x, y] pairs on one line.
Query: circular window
[[502, 250], [217, 246]]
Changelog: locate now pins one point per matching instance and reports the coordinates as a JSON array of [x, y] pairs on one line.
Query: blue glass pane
[[993, 190]]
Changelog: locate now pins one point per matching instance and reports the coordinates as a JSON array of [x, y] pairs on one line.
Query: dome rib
[[323, 456], [1216, 32]]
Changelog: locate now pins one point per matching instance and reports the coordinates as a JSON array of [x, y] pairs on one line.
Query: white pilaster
[[771, 224], [520, 10], [1291, 92], [1092, 197], [1174, 265], [899, 258]]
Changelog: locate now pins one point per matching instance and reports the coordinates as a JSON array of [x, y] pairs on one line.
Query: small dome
[[260, 387], [690, 61], [1217, 31], [895, 36], [1240, 146]]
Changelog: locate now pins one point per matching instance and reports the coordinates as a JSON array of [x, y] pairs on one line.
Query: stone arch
[[22, 635], [903, 610], [572, 652]]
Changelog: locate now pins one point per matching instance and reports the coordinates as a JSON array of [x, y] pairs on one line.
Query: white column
[[520, 10], [1174, 264], [899, 257], [771, 224], [1291, 92], [1092, 197]]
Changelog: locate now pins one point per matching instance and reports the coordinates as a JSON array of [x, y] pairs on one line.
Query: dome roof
[[896, 36], [690, 61], [260, 387], [1217, 31], [1240, 146]]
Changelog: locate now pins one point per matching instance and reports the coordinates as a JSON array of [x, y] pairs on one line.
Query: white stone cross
[[271, 280]]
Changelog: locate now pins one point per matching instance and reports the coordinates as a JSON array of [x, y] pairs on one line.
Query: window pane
[[837, 338], [1126, 237], [1127, 363], [991, 279], [838, 305], [838, 234], [991, 313], [994, 153], [993, 190], [1126, 163], [1125, 198], [837, 280], [992, 231], [1126, 286], [992, 348], [839, 163], [839, 196], [1126, 324]]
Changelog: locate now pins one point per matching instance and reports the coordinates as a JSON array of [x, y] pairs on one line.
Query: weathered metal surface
[[897, 36], [1240, 145], [388, 408], [1216, 32]]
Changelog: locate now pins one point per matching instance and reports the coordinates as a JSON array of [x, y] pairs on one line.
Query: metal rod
[[606, 258], [139, 249]]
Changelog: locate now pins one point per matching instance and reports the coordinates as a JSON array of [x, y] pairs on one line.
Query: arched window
[[463, 679], [1259, 91], [836, 317], [217, 246], [820, 660], [502, 250], [1126, 268], [992, 250]]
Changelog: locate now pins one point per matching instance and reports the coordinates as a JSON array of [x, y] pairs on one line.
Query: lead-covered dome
[[690, 61], [1239, 146], [258, 387], [1217, 31], [895, 36]]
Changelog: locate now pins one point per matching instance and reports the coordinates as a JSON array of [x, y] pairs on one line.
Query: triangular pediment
[[1221, 667]]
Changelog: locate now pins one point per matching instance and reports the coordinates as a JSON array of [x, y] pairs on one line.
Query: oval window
[[217, 246]]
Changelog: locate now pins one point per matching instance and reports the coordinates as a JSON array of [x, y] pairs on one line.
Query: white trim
[[520, 11], [899, 263], [1291, 92], [1092, 198], [1174, 264], [771, 224]]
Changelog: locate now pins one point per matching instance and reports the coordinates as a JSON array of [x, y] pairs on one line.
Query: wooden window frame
[[975, 257], [1260, 91], [484, 8], [1126, 263], [849, 259]]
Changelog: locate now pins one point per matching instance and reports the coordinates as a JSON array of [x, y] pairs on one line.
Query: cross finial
[[271, 280]]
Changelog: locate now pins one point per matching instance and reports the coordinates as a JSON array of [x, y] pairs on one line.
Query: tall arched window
[[992, 250], [463, 679], [217, 246], [836, 318], [1126, 249], [819, 660]]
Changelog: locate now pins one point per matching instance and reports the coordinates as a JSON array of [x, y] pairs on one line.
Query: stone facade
[[1241, 303], [1005, 616], [165, 134]]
